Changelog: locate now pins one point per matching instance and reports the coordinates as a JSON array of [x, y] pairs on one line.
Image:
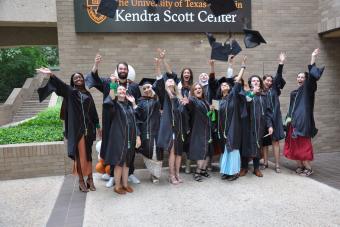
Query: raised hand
[[244, 60], [157, 61], [282, 58], [97, 59], [211, 62], [184, 100], [231, 59], [43, 70], [114, 78], [315, 53], [131, 99], [162, 53]]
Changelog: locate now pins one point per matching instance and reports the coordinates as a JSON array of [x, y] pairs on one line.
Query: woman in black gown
[[123, 134], [81, 120]]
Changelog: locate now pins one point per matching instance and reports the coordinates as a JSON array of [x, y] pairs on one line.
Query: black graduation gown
[[79, 105], [148, 118], [122, 133], [273, 95], [200, 141], [232, 110], [103, 85], [171, 129], [259, 117], [301, 107]]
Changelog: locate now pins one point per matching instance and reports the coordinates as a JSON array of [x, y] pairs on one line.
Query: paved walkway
[[276, 199]]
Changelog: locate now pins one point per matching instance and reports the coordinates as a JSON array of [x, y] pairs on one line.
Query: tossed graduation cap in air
[[221, 51], [157, 1], [252, 38], [229, 81], [220, 7], [147, 81], [108, 8]]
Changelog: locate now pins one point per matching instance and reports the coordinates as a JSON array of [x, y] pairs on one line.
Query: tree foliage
[[18, 64]]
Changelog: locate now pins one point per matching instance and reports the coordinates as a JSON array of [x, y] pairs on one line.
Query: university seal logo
[[91, 7]]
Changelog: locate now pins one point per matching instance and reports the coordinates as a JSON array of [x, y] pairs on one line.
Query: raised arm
[[243, 67], [278, 81], [93, 80], [166, 64], [53, 85], [230, 70], [314, 72]]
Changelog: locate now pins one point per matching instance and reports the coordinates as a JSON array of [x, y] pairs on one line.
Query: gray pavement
[[28, 202], [276, 199]]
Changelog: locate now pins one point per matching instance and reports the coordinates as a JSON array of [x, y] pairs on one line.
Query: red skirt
[[299, 148]]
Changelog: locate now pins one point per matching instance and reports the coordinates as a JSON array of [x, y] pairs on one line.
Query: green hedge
[[46, 127]]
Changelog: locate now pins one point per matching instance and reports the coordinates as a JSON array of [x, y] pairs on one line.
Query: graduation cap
[[157, 1], [108, 8], [252, 38], [229, 81], [147, 81], [220, 7], [221, 51]]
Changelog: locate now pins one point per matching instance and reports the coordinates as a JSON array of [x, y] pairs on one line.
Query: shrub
[[46, 127]]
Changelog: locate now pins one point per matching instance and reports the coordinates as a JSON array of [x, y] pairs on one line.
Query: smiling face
[[122, 71], [121, 92], [301, 77], [78, 80], [198, 91], [203, 78], [255, 82], [268, 82], [186, 75], [225, 87], [147, 90]]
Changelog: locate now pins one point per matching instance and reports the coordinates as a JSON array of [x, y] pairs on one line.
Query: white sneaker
[[132, 178], [111, 182], [105, 177]]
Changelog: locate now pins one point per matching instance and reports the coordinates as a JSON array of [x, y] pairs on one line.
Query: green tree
[[18, 64]]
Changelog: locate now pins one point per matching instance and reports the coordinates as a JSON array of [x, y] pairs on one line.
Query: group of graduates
[[174, 114]]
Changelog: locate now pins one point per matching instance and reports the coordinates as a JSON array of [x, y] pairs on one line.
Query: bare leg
[[172, 162], [81, 147], [276, 149], [178, 163], [118, 176], [299, 163], [125, 175], [200, 164], [206, 162], [265, 155], [307, 164]]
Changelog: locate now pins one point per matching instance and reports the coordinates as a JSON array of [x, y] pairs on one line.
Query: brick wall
[[329, 15], [33, 160], [289, 26], [42, 159]]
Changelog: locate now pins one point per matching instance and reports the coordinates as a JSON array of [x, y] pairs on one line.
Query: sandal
[[300, 170], [180, 180], [263, 166], [204, 173], [173, 180], [307, 172], [197, 177], [233, 177], [277, 169]]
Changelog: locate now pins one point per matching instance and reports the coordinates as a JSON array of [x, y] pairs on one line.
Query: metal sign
[[167, 16]]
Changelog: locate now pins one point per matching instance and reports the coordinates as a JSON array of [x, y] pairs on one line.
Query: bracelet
[[243, 66]]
